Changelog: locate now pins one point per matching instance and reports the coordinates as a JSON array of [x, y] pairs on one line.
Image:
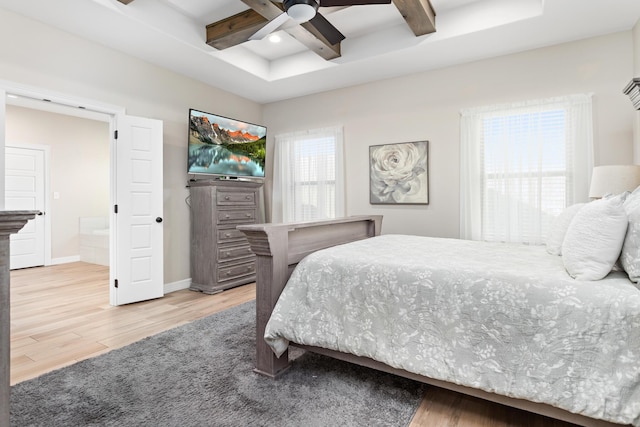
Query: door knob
[[158, 220], [40, 213]]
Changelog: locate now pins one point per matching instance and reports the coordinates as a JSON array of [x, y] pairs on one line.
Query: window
[[308, 175], [521, 165]]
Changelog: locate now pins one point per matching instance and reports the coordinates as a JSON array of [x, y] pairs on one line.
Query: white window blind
[[521, 165], [308, 175]]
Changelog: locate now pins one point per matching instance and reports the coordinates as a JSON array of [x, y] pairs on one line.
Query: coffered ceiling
[[379, 42]]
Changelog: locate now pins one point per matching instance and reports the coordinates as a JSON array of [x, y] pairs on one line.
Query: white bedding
[[503, 318]]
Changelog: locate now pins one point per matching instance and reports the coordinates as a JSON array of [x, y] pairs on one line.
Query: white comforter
[[503, 318]]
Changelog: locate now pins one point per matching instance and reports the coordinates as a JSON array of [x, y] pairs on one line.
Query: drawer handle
[[227, 235], [248, 215], [227, 216], [227, 198], [228, 273], [249, 268], [248, 250], [227, 254], [247, 197]]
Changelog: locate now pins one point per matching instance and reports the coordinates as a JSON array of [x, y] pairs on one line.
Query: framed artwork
[[399, 173]]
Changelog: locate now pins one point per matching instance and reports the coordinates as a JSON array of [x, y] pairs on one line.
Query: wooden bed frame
[[279, 248]]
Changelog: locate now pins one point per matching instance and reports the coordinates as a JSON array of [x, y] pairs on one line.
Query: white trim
[[177, 286], [65, 260], [52, 97]]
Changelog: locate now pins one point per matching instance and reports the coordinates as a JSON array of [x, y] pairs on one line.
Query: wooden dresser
[[220, 255]]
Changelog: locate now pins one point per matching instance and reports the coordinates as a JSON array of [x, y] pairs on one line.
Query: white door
[[138, 271], [25, 190]]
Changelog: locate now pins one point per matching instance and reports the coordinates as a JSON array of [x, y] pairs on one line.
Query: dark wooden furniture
[[279, 248], [220, 254], [10, 222]]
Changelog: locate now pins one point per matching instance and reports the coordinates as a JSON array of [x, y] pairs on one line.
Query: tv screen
[[226, 147]]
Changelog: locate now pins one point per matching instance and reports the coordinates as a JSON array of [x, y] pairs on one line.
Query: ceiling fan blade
[[270, 27], [327, 30], [329, 3]]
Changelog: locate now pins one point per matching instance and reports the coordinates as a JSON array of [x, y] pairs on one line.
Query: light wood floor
[[61, 314]]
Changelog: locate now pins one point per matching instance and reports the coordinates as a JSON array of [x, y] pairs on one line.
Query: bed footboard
[[278, 249]]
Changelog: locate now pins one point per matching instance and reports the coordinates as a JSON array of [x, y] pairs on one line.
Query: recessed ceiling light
[[274, 38]]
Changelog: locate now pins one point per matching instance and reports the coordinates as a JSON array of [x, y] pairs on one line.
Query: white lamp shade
[[613, 179]]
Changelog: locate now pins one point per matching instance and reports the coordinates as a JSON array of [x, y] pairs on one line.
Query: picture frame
[[399, 173]]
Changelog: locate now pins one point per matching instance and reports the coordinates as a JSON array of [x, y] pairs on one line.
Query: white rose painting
[[398, 173]]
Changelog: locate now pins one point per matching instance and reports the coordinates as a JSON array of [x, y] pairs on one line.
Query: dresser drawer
[[235, 271], [230, 235], [235, 198], [237, 216], [234, 252]]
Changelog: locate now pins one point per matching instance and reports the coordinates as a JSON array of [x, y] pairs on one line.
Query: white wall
[[426, 106], [636, 73], [79, 169], [35, 54]]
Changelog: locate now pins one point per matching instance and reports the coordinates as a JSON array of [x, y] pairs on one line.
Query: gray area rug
[[200, 374]]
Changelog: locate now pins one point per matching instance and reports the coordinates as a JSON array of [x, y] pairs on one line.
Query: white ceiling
[[378, 44]]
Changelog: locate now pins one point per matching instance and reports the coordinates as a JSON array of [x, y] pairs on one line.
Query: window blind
[[308, 176], [522, 165]]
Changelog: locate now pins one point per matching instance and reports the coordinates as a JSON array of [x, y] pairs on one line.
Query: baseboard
[[65, 260], [177, 286]]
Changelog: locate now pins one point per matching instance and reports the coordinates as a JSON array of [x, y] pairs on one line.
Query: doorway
[[72, 195], [135, 264]]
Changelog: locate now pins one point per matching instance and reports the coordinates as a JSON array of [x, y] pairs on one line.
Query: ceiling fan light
[[301, 10]]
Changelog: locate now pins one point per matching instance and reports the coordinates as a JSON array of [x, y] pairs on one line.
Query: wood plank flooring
[[61, 314]]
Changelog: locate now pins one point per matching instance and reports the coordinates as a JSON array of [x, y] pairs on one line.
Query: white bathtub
[[94, 240]]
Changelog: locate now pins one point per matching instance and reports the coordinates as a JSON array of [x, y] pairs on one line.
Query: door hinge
[[115, 134], [115, 208], [115, 283]]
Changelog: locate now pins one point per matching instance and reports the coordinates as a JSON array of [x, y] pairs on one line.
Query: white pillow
[[559, 227], [632, 201], [630, 256], [594, 239]]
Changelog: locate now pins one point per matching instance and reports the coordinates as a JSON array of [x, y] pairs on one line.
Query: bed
[[532, 338]]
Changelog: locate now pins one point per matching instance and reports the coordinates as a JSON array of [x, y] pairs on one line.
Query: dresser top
[[228, 183]]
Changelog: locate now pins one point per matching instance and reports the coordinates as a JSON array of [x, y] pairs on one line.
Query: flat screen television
[[225, 147]]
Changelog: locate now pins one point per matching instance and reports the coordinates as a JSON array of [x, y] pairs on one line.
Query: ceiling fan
[[309, 27], [302, 11]]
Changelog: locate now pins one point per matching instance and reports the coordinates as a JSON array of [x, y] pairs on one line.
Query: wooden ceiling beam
[[315, 41], [234, 30], [268, 9], [419, 15]]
